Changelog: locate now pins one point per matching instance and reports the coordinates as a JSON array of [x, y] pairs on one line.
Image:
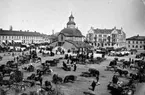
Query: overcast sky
[[45, 15]]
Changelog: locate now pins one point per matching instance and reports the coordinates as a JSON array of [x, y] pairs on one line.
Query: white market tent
[[72, 54], [95, 55], [42, 46], [18, 41], [46, 51]]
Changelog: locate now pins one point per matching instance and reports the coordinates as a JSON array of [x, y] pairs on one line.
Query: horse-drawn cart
[[52, 62], [121, 89], [90, 73]]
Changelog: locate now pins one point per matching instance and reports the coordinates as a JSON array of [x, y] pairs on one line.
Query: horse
[[30, 68], [44, 71], [65, 67], [113, 63], [35, 78], [69, 78], [94, 72], [121, 72], [31, 77], [56, 79]]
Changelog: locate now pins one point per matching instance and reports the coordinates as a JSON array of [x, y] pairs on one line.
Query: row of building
[[72, 38], [114, 38], [26, 37]]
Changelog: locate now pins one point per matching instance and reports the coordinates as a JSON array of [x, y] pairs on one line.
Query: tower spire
[[71, 23], [71, 16]]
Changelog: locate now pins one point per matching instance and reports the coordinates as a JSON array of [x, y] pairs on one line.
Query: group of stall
[[132, 70]]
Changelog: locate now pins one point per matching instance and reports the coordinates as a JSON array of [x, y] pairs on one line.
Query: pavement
[[81, 85], [140, 89]]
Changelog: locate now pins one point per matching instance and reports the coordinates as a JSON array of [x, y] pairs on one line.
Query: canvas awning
[[10, 41], [18, 41], [3, 41]]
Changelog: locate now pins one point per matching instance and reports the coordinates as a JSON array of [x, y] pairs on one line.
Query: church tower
[[71, 23]]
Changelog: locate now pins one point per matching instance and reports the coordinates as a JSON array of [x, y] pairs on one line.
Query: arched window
[[136, 46]]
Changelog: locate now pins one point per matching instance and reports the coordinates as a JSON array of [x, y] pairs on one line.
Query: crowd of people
[[69, 63]]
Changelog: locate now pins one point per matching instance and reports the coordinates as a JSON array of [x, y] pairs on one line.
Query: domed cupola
[[71, 23]]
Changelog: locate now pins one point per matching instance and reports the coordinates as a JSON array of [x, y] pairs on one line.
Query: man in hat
[[75, 66], [93, 85]]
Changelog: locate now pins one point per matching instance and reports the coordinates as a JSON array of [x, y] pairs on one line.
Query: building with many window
[[136, 42], [106, 37], [26, 37]]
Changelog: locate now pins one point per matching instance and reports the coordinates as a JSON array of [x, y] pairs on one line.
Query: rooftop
[[106, 31], [20, 33], [72, 32], [141, 38], [80, 44]]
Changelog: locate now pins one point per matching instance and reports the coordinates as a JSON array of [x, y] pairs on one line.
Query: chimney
[[115, 27], [53, 32], [138, 35], [11, 28]]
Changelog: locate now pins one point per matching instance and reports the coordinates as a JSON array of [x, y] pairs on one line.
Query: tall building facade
[[106, 37], [136, 42], [26, 37]]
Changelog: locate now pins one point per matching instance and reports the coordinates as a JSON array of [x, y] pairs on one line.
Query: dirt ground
[[82, 84]]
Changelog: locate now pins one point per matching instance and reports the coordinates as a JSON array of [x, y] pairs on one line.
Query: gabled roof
[[20, 33], [103, 31], [80, 44], [106, 31], [141, 38]]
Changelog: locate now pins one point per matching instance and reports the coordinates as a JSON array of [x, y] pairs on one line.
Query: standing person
[[132, 60], [97, 79], [17, 58], [13, 54], [93, 85], [67, 61], [129, 59], [75, 67], [115, 79], [72, 62], [14, 59]]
